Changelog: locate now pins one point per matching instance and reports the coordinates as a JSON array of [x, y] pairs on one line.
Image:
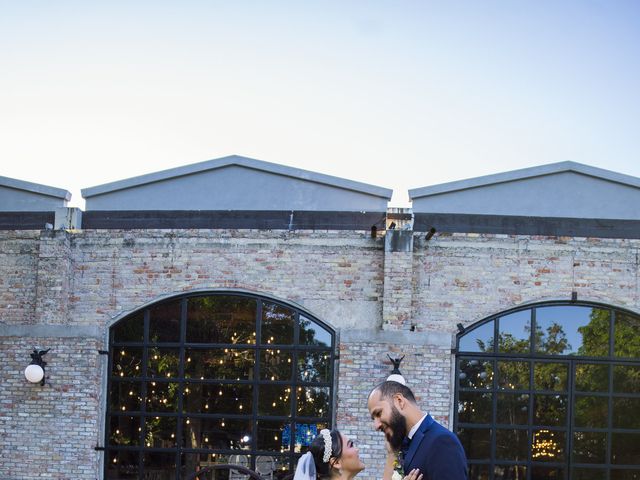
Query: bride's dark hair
[[316, 448]]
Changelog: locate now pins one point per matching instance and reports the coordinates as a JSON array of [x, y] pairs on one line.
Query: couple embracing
[[426, 449]]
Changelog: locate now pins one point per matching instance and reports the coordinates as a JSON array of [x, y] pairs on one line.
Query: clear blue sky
[[401, 94]]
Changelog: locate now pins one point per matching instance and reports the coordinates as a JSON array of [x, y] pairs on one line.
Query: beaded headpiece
[[326, 434]]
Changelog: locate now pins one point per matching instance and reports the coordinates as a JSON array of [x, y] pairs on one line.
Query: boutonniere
[[398, 472]]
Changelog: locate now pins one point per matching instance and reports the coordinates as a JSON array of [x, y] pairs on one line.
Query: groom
[[425, 443]]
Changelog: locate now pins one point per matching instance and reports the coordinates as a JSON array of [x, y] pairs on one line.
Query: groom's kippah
[[394, 377], [326, 434]]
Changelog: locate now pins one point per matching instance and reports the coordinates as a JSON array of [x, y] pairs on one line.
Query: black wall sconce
[[396, 375], [34, 372], [430, 234]]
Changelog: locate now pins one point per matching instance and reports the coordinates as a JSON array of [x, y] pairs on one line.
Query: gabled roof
[[236, 183], [522, 174], [18, 195], [238, 161], [37, 188], [564, 189]]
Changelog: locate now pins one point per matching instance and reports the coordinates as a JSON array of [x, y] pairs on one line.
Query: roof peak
[[242, 161], [525, 173]]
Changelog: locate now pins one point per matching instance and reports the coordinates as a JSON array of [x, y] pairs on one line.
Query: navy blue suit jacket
[[437, 452]]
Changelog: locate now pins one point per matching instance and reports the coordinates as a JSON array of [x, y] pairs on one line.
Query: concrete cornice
[[50, 331], [399, 337]]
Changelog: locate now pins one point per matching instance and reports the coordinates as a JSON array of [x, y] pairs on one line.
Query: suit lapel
[[416, 441]]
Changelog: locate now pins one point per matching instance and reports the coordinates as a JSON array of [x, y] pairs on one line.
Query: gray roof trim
[[35, 188], [240, 161], [522, 174]]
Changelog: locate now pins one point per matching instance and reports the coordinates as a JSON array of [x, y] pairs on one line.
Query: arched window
[[551, 391], [215, 378]]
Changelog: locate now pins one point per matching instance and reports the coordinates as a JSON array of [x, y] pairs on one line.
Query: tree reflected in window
[[565, 377]]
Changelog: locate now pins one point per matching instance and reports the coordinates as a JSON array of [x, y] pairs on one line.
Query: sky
[[399, 94]]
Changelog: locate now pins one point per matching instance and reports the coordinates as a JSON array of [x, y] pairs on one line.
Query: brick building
[[289, 289]]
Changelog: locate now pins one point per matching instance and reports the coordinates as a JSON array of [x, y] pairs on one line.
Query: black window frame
[[295, 348], [532, 357]]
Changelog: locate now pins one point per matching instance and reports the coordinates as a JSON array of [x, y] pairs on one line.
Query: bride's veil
[[306, 469]]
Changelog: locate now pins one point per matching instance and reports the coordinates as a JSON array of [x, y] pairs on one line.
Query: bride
[[332, 456]]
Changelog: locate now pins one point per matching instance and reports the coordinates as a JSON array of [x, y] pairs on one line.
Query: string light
[[544, 447]]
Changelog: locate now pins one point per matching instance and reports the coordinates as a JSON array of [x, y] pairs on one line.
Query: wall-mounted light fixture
[[396, 376], [430, 234], [35, 370]]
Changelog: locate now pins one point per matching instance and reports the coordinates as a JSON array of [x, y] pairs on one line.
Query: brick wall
[[365, 364], [18, 264], [467, 277], [64, 289], [50, 431]]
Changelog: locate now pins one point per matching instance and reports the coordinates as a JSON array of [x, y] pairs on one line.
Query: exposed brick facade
[[62, 290]]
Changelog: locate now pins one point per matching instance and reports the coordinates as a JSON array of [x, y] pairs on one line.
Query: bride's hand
[[413, 475]]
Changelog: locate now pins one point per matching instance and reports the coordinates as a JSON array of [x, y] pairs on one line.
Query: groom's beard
[[398, 427]]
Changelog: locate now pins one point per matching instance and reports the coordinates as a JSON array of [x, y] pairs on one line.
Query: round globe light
[[34, 373]]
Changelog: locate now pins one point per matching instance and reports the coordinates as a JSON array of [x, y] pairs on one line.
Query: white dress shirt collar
[[413, 431]]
